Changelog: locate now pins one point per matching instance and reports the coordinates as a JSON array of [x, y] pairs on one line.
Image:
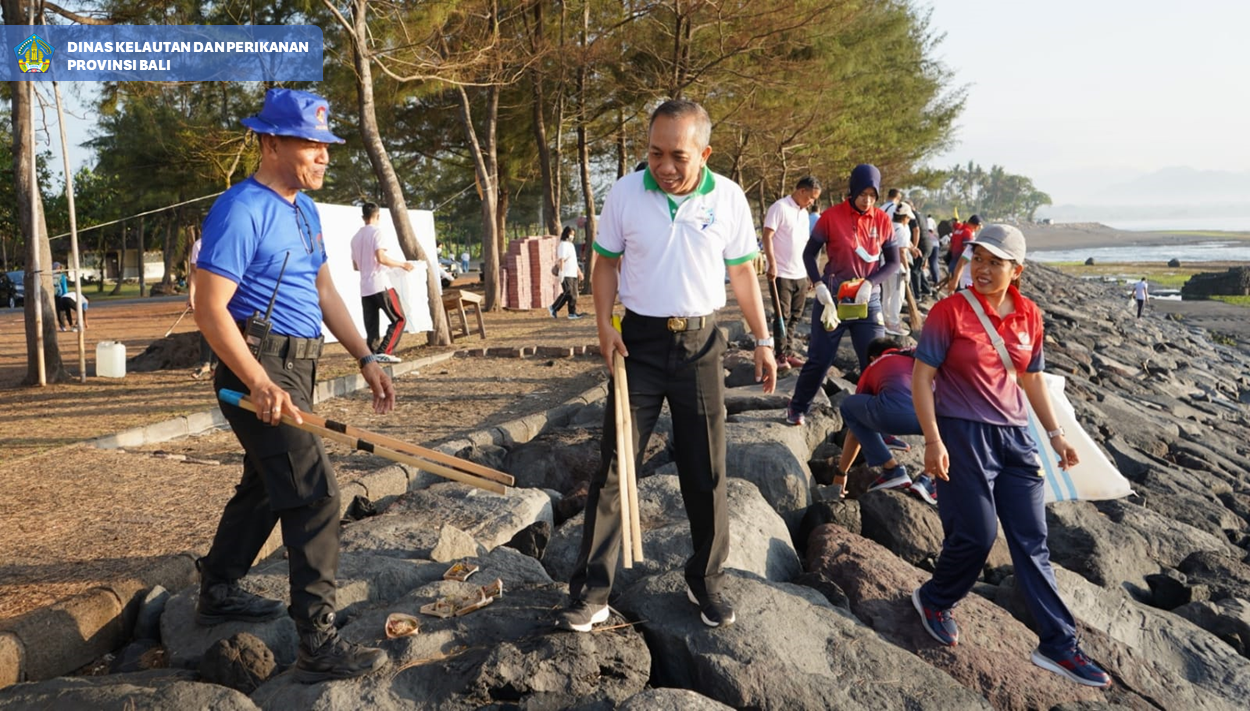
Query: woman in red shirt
[[853, 235], [975, 420]]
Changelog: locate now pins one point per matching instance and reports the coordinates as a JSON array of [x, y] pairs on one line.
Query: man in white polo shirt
[[672, 230], [787, 227]]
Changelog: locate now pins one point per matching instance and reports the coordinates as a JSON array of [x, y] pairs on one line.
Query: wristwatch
[[371, 358], [1055, 433], [764, 342]]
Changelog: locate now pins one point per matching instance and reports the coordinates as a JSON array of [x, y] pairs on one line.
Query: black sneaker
[[715, 611], [324, 655], [224, 602], [581, 615]]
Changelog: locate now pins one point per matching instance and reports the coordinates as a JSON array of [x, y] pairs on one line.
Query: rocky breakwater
[[1159, 582]]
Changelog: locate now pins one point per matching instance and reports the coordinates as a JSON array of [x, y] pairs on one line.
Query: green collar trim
[[706, 184]]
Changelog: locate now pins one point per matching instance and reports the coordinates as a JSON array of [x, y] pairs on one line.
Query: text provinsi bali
[[149, 47]]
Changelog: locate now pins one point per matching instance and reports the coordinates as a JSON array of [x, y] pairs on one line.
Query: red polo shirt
[[972, 383], [891, 372], [845, 229], [961, 232]]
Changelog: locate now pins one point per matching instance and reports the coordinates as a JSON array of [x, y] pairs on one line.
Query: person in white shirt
[[666, 237], [1141, 293], [370, 258], [570, 275], [787, 227], [892, 291]]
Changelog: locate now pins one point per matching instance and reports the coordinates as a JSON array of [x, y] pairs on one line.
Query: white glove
[[864, 293], [823, 295], [830, 315]]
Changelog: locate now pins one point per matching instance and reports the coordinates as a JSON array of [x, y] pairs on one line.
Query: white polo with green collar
[[673, 256]]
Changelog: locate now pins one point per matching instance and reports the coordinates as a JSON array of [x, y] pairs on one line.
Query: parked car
[[13, 289]]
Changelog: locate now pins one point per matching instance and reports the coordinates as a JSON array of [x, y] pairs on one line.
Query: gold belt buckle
[[677, 324]]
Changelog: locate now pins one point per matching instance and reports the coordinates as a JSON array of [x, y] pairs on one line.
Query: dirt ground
[[76, 515]]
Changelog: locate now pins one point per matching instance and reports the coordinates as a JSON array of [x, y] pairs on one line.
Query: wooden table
[[455, 300]]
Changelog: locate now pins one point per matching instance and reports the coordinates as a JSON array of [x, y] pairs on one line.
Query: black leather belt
[[675, 324], [291, 347]]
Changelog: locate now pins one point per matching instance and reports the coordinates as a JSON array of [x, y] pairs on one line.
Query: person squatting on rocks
[[673, 230], [1141, 293], [957, 261], [570, 275], [882, 406], [251, 231], [371, 257], [977, 443], [854, 235], [787, 227]]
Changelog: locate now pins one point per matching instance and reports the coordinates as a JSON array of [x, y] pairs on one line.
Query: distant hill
[[1176, 193]]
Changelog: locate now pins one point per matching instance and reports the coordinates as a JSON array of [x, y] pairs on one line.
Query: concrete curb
[[200, 422], [59, 638]]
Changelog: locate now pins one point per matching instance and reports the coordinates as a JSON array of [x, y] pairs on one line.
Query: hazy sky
[[1062, 90], [1079, 95]]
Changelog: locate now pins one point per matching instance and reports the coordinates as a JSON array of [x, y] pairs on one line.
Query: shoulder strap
[[996, 339]]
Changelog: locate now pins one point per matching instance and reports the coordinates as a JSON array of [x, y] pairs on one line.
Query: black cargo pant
[[792, 294], [568, 295], [287, 480], [686, 370]]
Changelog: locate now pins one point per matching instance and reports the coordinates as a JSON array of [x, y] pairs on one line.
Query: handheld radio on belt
[[256, 329]]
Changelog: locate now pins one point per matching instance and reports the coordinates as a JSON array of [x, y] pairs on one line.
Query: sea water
[[1143, 254]]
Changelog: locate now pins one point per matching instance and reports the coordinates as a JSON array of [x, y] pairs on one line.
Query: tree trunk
[[551, 198], [583, 152], [621, 167], [389, 181], [33, 227], [485, 165], [167, 253], [142, 261], [121, 265]]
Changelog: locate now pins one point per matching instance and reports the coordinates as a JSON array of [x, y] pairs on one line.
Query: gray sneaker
[[227, 602], [581, 615], [324, 655], [715, 610]]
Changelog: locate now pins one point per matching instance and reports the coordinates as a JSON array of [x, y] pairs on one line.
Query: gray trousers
[[792, 293]]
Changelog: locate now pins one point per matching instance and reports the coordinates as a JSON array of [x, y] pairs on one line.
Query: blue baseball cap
[[289, 112]]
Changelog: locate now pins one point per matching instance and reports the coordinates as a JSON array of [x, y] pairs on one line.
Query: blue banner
[[162, 53]]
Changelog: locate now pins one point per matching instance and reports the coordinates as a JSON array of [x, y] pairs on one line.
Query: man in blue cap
[[263, 238]]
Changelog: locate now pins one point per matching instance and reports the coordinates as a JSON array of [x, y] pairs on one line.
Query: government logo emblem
[[34, 56]]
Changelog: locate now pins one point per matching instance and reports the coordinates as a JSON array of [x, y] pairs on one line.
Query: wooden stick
[[415, 450], [178, 321], [364, 445], [631, 466], [620, 402], [913, 311]]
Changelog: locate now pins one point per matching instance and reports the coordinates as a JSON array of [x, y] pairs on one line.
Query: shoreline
[[1075, 235]]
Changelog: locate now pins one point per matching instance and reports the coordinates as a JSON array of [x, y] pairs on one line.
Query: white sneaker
[[388, 358]]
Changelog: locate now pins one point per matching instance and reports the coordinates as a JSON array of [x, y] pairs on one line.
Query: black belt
[[675, 324], [291, 347]]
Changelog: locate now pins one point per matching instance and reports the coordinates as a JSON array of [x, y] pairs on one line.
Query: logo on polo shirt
[[1023, 337], [708, 218]]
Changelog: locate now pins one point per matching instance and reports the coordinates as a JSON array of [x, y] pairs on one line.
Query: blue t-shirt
[[247, 234], [60, 285]]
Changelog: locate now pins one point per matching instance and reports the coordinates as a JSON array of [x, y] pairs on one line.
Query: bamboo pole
[[73, 236], [367, 443]]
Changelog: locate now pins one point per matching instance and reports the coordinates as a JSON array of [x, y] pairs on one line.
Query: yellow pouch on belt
[[848, 310]]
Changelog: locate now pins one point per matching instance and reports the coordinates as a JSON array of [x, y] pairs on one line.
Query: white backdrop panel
[[338, 224]]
